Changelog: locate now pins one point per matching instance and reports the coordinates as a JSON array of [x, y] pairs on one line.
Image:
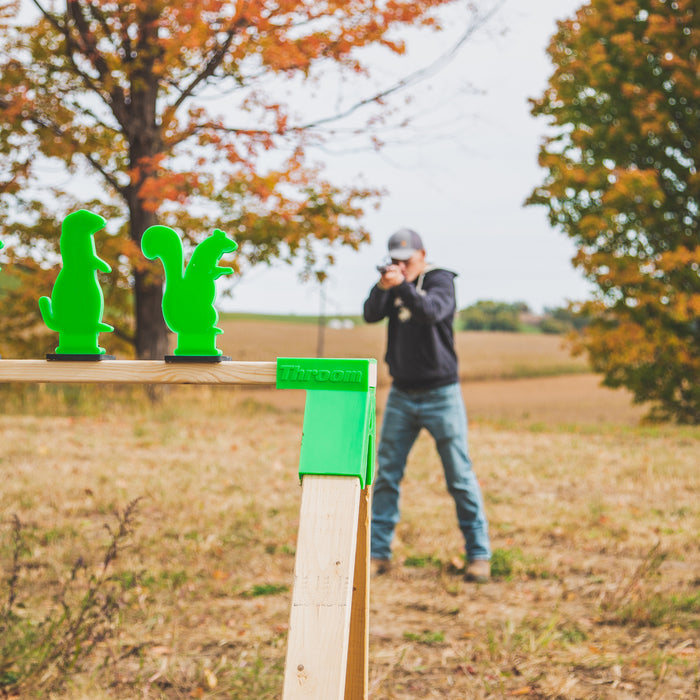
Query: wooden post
[[328, 645], [329, 621], [319, 623], [357, 679]]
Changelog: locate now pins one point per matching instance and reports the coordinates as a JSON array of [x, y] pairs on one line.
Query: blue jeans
[[441, 411]]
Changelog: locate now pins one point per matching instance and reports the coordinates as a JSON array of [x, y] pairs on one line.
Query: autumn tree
[[622, 182], [176, 112]]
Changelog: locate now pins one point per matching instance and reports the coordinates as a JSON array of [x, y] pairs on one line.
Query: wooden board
[[319, 625], [137, 372], [357, 679]]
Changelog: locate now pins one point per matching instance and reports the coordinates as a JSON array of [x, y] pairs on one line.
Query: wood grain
[[137, 372], [319, 624]]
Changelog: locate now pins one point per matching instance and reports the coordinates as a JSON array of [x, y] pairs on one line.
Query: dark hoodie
[[420, 342]]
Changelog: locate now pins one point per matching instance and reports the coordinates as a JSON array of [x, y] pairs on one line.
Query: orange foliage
[[622, 183]]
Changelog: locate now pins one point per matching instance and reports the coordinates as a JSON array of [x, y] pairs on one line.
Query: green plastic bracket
[[339, 432]]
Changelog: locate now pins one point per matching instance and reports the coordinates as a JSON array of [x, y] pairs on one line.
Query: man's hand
[[391, 277]]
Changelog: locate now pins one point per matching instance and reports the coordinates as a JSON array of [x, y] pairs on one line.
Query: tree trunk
[[145, 143], [151, 331]]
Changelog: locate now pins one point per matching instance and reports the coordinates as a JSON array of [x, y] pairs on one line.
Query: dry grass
[[594, 522]]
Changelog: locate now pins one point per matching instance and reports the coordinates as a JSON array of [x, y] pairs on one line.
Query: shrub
[[37, 652]]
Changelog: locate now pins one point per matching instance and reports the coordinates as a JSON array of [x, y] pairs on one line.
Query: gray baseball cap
[[404, 243]]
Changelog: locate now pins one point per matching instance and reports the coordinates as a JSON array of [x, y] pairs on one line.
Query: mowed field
[[594, 521]]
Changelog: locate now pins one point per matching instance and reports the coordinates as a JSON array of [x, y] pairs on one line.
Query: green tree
[[562, 319], [622, 182], [492, 316], [122, 91]]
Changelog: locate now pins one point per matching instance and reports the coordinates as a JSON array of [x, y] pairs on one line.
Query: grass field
[[594, 522]]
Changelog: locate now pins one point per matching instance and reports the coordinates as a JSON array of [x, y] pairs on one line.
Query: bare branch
[[415, 77], [97, 166], [212, 64], [412, 79], [71, 46]]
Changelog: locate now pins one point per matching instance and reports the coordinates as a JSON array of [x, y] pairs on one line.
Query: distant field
[[284, 318], [506, 376], [482, 355]]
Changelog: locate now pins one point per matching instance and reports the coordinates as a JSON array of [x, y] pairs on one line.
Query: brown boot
[[379, 567], [478, 571]]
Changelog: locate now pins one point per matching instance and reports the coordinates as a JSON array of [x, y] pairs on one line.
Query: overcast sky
[[461, 186]]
